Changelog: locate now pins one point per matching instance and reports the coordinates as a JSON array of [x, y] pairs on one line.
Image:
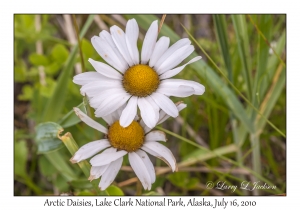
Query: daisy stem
[[72, 146], [233, 86]]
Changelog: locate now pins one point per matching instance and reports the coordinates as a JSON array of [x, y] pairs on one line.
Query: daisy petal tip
[[91, 178], [77, 112], [176, 168], [124, 124], [73, 161]]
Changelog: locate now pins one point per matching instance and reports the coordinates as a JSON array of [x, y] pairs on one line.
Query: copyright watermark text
[[245, 185]]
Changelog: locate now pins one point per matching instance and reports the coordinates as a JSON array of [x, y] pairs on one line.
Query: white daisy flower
[[134, 140], [139, 83]]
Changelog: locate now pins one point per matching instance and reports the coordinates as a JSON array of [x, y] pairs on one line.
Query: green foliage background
[[220, 136]]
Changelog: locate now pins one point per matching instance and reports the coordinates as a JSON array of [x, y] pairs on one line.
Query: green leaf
[[114, 190], [85, 193], [20, 156], [71, 118], [59, 53], [20, 71], [47, 137], [87, 48], [81, 184], [38, 60], [179, 179], [48, 89], [192, 183], [27, 93], [46, 168], [61, 183], [53, 68], [152, 193]]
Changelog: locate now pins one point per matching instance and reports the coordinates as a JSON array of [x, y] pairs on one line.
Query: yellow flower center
[[129, 139], [140, 80]]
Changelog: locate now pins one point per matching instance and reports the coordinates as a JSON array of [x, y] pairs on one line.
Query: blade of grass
[[221, 32], [71, 118], [270, 72], [262, 57], [57, 160], [272, 96], [240, 26], [55, 104]]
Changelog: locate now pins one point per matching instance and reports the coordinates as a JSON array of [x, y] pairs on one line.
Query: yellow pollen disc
[[140, 80], [129, 139]]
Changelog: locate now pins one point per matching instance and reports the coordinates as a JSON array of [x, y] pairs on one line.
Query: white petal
[[107, 37], [181, 91], [149, 42], [108, 119], [165, 104], [156, 136], [160, 151], [132, 33], [129, 113], [145, 127], [114, 116], [87, 77], [97, 171], [95, 88], [106, 158], [154, 106], [108, 54], [111, 104], [175, 83], [163, 116], [148, 113], [179, 44], [102, 95], [160, 47], [143, 155], [117, 114], [89, 149], [177, 70], [118, 36], [140, 170], [176, 58], [105, 70], [110, 174], [89, 121]]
